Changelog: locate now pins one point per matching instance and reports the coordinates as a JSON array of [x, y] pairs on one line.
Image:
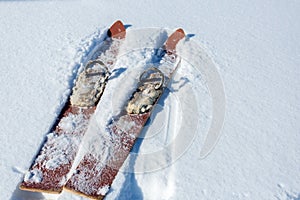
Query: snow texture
[[73, 122], [34, 176], [61, 147], [103, 190], [254, 46]]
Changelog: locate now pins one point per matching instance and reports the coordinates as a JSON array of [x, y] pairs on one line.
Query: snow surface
[[253, 44]]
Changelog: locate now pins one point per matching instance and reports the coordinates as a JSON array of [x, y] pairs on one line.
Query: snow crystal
[[72, 122], [61, 153], [58, 150], [33, 176], [126, 125], [56, 162]]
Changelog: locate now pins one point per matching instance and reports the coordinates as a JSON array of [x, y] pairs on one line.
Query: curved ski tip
[[173, 39], [118, 23], [117, 30], [180, 30]]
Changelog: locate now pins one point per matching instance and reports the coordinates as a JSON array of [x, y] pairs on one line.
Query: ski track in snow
[[254, 46]]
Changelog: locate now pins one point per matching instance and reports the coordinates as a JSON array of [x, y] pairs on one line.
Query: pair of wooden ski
[[50, 172]]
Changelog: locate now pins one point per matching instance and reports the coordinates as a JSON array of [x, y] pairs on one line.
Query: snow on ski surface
[[255, 46]]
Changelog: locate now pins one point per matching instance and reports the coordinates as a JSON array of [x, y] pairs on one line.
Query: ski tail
[[117, 30]]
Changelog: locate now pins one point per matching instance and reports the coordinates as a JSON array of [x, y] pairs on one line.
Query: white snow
[[72, 122], [103, 190], [35, 176], [252, 45], [59, 150]]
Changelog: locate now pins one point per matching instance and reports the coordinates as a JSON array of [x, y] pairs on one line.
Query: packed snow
[[250, 49]]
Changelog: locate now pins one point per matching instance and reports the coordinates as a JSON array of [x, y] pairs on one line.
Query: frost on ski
[[58, 150], [72, 123], [58, 153], [103, 190], [100, 161], [34, 176]]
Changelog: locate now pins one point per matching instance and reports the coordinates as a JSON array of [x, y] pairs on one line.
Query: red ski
[[50, 169], [94, 176]]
